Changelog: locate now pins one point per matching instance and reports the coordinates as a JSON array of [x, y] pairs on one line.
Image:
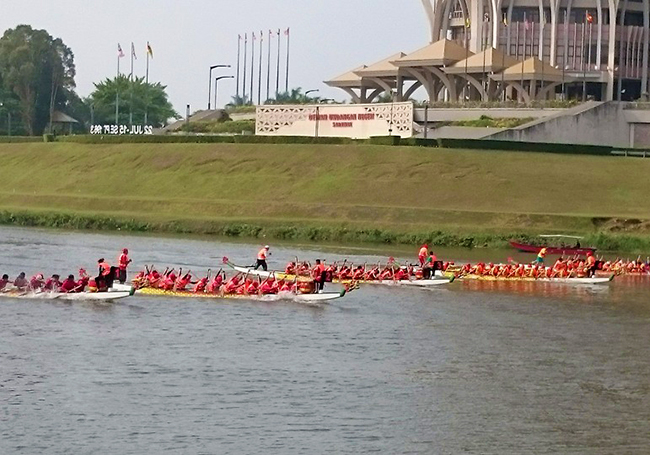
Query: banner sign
[[357, 121]]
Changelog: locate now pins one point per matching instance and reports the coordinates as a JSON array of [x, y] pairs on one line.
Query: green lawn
[[399, 188]]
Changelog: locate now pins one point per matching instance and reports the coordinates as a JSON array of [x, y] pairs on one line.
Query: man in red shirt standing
[[122, 263]]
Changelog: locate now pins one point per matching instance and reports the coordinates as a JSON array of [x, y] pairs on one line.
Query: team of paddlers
[[303, 277], [107, 274]]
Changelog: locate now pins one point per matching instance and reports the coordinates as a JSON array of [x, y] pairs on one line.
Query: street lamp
[[217, 79], [324, 100], [8, 118], [210, 81], [310, 91]]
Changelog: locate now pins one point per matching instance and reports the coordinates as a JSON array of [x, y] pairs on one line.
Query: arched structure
[[603, 42]]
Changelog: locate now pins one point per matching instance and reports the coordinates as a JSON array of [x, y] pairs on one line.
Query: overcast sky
[[328, 37]]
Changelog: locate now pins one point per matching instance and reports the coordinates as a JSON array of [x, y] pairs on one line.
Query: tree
[[294, 96], [137, 101], [39, 70]]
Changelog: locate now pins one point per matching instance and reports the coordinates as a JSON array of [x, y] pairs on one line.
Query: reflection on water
[[473, 367]]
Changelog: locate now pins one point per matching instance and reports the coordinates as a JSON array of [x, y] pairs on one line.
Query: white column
[[646, 26], [611, 48]]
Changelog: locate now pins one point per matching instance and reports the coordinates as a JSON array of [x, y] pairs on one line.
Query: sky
[[328, 38]]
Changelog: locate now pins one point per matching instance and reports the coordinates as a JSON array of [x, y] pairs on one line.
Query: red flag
[[286, 32], [590, 18], [120, 53]]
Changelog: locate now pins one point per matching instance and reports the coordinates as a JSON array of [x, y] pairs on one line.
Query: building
[[518, 49]]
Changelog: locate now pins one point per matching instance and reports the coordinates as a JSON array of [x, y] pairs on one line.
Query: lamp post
[[392, 103], [8, 118], [318, 114], [426, 120], [216, 80], [210, 81]]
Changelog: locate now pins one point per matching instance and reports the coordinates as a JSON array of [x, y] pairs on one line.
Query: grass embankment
[[326, 192]]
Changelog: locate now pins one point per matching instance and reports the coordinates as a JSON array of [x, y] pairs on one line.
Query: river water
[[478, 368]]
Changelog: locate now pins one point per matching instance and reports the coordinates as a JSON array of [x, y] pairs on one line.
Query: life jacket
[[104, 268], [215, 284], [200, 286], [123, 261]]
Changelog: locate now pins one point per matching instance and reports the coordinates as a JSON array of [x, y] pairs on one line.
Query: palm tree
[[294, 96]]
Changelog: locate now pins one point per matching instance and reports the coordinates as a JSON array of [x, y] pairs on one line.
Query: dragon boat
[[295, 296], [75, 296], [439, 279], [578, 281]]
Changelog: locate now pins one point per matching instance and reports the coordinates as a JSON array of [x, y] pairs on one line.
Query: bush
[[18, 139]]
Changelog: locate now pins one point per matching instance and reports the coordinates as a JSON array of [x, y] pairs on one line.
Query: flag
[[279, 32], [286, 32], [270, 33], [150, 50], [120, 53], [261, 35], [467, 23], [253, 36], [505, 20], [133, 51], [526, 23], [590, 18]]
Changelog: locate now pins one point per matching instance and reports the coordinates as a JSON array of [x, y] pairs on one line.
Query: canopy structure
[[62, 120], [532, 78], [355, 86], [449, 71], [425, 67], [476, 69]]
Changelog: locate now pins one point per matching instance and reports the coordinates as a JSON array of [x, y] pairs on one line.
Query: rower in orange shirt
[[261, 258]]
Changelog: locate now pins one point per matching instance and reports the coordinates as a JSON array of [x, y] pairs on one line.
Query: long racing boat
[[297, 297], [585, 280], [439, 280], [79, 296]]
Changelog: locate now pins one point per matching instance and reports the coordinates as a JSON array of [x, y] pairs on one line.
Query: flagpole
[[252, 67], [524, 57], [244, 76], [117, 87], [268, 68], [238, 59], [259, 75], [286, 80], [277, 66]]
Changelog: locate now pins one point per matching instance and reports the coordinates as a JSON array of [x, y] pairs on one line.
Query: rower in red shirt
[[4, 281], [69, 285], [37, 282], [52, 283], [318, 274], [122, 263]]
